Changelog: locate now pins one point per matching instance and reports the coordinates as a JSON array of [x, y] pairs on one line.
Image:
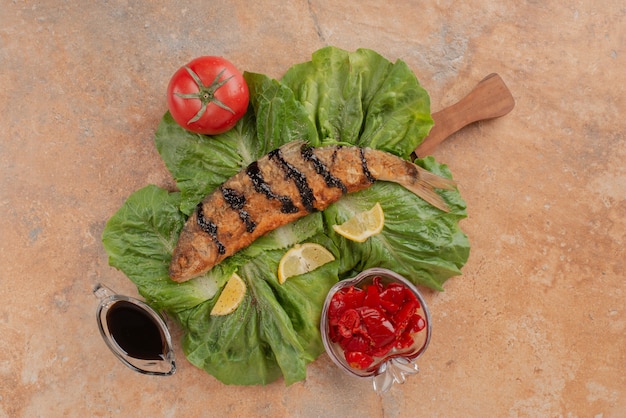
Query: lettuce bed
[[338, 97]]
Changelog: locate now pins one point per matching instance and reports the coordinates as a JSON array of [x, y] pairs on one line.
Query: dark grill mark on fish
[[321, 169], [306, 193], [260, 186], [236, 201], [233, 198], [366, 170], [210, 228]]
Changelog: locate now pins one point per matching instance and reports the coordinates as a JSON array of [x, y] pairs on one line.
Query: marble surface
[[535, 326]]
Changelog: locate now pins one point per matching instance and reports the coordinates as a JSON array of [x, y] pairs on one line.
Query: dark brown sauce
[[135, 331]]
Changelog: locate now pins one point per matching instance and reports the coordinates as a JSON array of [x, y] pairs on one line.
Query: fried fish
[[282, 186]]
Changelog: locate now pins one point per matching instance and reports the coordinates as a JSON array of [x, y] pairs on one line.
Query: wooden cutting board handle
[[490, 99]]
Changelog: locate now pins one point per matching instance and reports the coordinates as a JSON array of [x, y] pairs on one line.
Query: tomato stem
[[206, 94]]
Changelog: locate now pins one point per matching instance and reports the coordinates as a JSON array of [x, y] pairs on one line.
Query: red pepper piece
[[372, 297], [404, 314], [392, 297], [349, 323], [378, 328], [358, 360], [410, 296], [335, 308], [355, 343], [353, 297], [377, 281], [389, 307], [405, 341], [346, 298], [416, 323]]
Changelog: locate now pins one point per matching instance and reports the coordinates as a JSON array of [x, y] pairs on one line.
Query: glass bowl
[[397, 364]]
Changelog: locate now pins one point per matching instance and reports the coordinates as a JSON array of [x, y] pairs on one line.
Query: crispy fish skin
[[287, 184]]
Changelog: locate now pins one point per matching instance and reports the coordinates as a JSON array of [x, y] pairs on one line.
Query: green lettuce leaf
[[280, 117], [362, 99]]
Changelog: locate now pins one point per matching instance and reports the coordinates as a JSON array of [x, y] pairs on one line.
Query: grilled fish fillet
[[284, 185]]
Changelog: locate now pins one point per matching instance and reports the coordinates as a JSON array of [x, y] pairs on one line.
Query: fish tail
[[424, 186], [435, 180], [417, 180]]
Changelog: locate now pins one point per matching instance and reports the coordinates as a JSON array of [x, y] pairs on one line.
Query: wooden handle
[[490, 99]]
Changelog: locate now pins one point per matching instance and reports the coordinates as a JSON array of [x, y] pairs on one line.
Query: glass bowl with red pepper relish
[[375, 322]]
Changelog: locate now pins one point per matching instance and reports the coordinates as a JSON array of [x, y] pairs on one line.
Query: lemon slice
[[301, 259], [362, 225], [231, 296]]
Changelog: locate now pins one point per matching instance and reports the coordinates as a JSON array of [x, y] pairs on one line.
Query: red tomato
[[208, 95]]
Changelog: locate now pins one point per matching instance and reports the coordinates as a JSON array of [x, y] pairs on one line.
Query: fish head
[[194, 255]]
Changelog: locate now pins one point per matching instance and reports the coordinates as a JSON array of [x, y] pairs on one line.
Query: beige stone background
[[535, 326]]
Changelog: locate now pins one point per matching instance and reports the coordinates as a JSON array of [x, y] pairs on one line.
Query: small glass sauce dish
[[135, 333], [396, 364]]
